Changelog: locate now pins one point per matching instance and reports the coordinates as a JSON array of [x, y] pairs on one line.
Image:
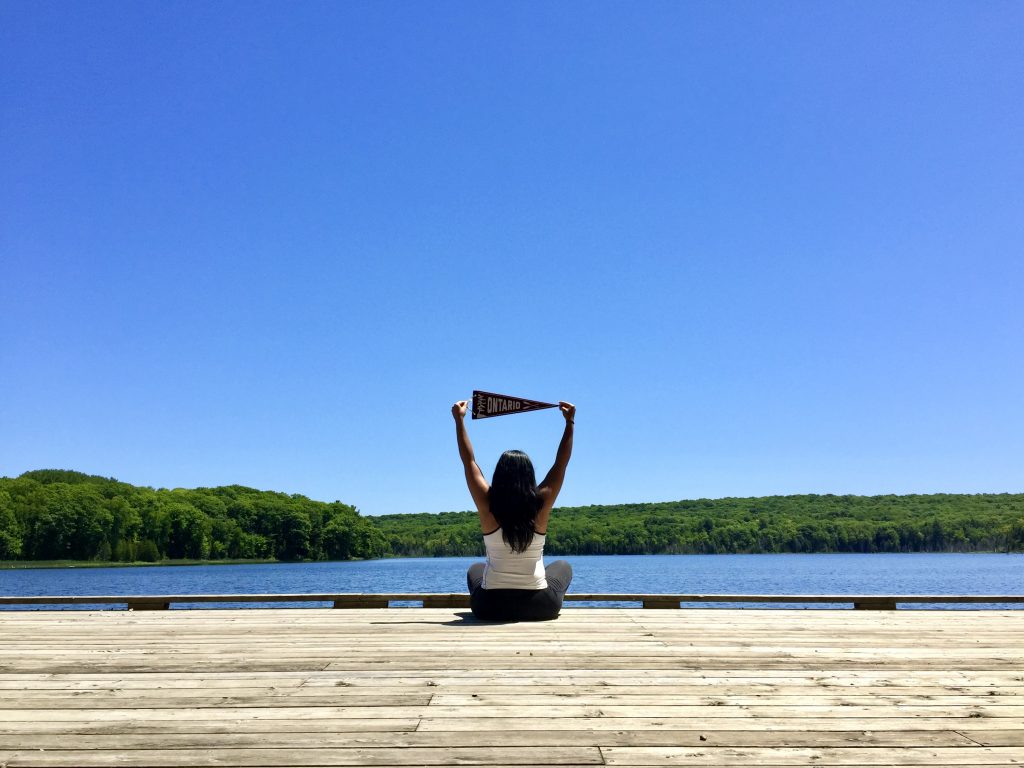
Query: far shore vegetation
[[62, 518]]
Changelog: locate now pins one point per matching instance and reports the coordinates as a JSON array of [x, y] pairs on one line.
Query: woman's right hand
[[460, 408], [568, 410]]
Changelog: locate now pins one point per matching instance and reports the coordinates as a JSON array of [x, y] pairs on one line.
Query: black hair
[[514, 500]]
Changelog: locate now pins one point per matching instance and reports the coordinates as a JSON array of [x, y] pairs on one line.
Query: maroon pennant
[[488, 404]]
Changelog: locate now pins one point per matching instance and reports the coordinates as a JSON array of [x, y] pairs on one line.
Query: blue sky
[[766, 248]]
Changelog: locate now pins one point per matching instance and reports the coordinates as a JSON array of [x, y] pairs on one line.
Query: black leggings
[[519, 604]]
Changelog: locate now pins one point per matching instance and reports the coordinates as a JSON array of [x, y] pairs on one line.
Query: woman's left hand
[[568, 410]]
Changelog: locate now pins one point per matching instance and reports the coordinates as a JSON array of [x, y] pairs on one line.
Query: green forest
[[50, 515], [61, 515], [807, 523]]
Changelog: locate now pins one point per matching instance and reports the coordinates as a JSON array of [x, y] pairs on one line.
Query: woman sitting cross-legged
[[514, 511]]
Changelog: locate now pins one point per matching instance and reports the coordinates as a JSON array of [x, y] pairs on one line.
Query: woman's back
[[507, 569]]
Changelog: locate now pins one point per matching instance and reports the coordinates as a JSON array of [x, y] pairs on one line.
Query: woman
[[514, 511]]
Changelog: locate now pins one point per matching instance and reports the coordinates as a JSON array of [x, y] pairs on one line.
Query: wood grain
[[433, 686]]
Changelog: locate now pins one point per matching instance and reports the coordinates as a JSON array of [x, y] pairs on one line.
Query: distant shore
[[20, 565], [53, 518]]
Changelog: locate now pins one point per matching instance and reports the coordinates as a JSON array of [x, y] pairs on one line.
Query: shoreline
[[25, 565]]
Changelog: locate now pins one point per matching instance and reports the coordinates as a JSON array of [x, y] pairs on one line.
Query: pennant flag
[[487, 404]]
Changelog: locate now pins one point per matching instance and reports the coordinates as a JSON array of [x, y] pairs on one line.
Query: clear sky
[[766, 248]]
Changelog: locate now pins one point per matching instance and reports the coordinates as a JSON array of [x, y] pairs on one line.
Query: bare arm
[[478, 486], [552, 483]]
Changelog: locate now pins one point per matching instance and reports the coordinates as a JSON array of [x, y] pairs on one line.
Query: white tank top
[[506, 569]]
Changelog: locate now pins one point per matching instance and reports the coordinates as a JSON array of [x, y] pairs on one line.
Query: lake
[[709, 574]]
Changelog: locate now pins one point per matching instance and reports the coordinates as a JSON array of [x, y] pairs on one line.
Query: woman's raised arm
[[552, 483], [474, 477]]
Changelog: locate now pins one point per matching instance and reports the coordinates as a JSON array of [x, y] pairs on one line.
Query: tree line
[[62, 515], [807, 523], [65, 515]]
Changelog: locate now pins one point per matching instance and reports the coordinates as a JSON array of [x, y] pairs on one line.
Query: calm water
[[714, 574]]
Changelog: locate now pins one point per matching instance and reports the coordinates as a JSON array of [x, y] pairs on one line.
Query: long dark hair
[[513, 499]]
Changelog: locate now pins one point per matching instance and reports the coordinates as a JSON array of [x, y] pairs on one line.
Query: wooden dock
[[432, 686]]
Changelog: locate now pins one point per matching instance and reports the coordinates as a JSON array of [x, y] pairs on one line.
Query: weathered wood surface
[[319, 687]]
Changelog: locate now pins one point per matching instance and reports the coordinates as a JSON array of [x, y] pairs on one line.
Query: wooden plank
[[465, 696], [148, 605], [154, 714], [215, 701], [710, 711], [1004, 738], [808, 676], [138, 686], [142, 724], [446, 601], [860, 756], [355, 756], [660, 603], [916, 730], [361, 602], [718, 699], [875, 604], [546, 738], [890, 721], [659, 652]]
